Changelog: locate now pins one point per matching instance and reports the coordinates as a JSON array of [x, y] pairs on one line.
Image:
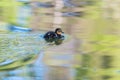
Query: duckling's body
[[55, 37], [50, 36]]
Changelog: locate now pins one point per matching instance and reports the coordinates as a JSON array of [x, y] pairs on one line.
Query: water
[[92, 55], [19, 49], [22, 19]]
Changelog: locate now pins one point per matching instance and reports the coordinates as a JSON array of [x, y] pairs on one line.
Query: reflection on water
[[92, 54], [101, 69], [22, 19], [34, 71], [87, 70], [20, 49]]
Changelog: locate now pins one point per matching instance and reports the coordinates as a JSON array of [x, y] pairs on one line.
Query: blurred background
[[92, 52]]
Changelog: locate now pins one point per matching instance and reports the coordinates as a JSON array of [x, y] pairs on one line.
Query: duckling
[[55, 37]]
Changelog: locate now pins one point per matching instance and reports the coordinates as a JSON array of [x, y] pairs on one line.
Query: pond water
[[91, 54]]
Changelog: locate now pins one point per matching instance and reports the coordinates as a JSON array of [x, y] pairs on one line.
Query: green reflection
[[101, 47], [82, 73]]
